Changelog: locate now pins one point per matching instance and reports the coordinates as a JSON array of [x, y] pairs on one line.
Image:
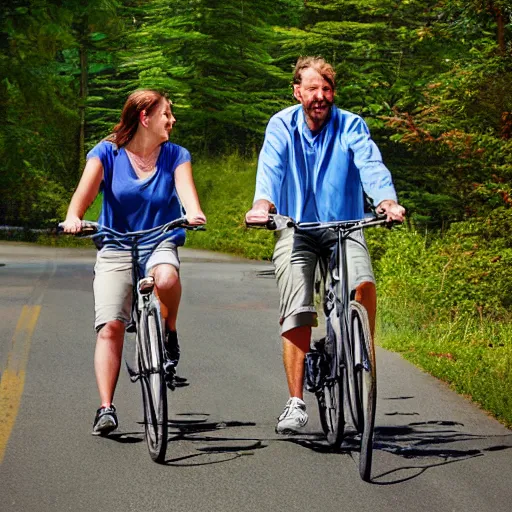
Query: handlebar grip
[[270, 224], [87, 229]]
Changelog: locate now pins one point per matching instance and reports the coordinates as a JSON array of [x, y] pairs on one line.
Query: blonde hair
[[318, 64]]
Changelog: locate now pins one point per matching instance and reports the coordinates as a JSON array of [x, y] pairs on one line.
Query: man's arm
[[271, 169], [375, 176]]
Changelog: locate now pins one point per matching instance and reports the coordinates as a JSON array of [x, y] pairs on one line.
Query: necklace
[[144, 165]]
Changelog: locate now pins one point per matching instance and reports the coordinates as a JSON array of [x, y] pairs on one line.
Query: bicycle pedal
[[134, 376], [314, 370]]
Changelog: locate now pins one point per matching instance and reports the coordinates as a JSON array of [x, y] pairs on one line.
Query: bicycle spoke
[[154, 389]]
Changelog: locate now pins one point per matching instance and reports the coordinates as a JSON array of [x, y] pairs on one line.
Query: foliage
[[445, 305], [37, 115], [226, 189]]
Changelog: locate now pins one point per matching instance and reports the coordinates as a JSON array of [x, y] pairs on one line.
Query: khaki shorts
[[295, 257], [113, 281]]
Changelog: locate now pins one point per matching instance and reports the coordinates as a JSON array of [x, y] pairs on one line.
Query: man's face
[[316, 96]]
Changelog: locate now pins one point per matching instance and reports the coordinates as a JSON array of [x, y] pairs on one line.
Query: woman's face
[[161, 121]]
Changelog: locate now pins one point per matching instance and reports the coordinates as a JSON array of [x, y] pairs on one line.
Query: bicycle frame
[[349, 365], [150, 329]]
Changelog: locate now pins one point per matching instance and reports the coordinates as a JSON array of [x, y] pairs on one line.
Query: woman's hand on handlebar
[[72, 224], [196, 218]]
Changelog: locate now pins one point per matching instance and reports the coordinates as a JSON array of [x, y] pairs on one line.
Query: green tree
[[213, 57]]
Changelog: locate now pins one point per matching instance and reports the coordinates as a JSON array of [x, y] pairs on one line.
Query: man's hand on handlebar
[[259, 213], [392, 210]]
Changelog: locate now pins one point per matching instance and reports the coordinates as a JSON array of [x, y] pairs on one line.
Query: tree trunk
[[500, 21], [82, 100]]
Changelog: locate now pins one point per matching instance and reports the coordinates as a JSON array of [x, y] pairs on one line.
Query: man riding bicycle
[[316, 163]]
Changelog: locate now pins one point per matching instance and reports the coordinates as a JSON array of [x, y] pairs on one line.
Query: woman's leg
[[168, 290], [107, 359]]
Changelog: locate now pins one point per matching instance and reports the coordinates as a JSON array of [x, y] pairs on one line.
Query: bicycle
[[149, 327], [341, 368]]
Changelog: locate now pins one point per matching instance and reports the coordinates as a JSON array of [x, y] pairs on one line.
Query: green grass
[[419, 318], [226, 189], [473, 355]]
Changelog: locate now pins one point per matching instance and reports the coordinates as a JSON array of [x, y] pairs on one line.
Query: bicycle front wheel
[[154, 389], [365, 383]]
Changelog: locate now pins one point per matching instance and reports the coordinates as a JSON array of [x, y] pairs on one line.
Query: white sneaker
[[293, 418]]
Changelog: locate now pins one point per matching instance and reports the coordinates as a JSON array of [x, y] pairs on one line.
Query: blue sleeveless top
[[133, 204]]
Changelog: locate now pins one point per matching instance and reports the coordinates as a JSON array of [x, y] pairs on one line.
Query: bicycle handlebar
[[278, 222], [90, 229]]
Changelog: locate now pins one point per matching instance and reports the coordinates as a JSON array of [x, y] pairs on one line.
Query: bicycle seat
[[146, 285]]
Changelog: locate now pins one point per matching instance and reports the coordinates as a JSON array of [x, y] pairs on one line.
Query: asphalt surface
[[434, 451]]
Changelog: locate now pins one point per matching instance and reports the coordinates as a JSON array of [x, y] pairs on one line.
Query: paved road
[[434, 450]]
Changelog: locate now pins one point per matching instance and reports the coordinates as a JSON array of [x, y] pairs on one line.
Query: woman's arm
[[187, 193], [84, 195]]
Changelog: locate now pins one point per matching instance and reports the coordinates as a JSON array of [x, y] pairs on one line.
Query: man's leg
[[294, 262], [366, 294], [295, 346]]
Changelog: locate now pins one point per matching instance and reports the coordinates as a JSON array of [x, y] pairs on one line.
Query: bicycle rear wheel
[[365, 378], [154, 389]]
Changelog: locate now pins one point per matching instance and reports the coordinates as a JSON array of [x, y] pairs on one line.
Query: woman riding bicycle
[[146, 181]]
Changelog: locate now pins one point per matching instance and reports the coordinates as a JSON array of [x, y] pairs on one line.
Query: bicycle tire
[[330, 395], [365, 383], [330, 409], [154, 389]]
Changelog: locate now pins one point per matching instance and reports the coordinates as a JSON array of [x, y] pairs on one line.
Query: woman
[[145, 180]]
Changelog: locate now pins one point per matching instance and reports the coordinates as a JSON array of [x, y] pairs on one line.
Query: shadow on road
[[209, 449], [418, 446], [429, 444]]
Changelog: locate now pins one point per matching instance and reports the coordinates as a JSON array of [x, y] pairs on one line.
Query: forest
[[430, 77]]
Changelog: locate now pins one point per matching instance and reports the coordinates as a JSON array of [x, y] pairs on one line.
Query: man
[[315, 164]]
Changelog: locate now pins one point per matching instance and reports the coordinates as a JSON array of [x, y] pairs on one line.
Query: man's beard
[[318, 116]]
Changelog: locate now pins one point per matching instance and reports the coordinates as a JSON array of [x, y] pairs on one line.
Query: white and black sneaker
[[105, 421], [293, 418]]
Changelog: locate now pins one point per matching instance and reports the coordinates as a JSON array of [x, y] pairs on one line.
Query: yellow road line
[[13, 378]]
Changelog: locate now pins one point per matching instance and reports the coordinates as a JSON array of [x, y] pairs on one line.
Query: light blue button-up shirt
[[320, 176]]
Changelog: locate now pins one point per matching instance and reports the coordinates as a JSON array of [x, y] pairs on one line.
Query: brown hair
[[318, 64], [138, 101]]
